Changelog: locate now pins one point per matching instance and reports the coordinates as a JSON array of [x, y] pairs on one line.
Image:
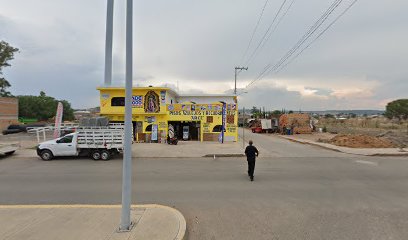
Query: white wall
[[170, 96]]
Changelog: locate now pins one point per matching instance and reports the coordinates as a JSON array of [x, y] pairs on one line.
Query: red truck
[[264, 126]]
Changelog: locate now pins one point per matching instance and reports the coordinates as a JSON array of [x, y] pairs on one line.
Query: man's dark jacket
[[251, 152]]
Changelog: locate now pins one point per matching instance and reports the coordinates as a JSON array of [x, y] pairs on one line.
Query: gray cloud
[[359, 63]]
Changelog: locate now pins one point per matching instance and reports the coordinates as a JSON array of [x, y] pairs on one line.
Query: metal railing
[[41, 131]]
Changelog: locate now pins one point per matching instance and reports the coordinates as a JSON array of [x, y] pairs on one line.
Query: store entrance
[[186, 130], [137, 129]]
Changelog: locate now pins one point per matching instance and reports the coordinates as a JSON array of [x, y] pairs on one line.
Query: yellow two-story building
[[158, 109]]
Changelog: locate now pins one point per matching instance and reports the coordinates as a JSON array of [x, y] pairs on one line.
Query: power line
[[310, 33], [318, 36], [267, 69], [266, 33], [279, 21], [273, 31], [306, 36], [255, 29]]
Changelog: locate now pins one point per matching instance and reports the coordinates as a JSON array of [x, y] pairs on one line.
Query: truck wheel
[[105, 155], [46, 155], [96, 155]]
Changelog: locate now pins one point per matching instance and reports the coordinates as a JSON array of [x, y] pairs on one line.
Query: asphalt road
[[301, 192]]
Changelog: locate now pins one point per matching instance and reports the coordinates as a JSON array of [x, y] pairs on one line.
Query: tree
[[6, 55], [68, 113], [397, 109], [43, 107], [254, 110], [276, 113]]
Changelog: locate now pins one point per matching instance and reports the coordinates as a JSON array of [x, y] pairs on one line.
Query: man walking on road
[[251, 152]]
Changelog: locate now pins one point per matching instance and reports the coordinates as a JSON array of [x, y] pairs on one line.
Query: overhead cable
[[255, 29], [317, 37], [266, 34], [306, 37], [270, 67]]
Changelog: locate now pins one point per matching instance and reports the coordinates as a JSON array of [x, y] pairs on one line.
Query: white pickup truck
[[95, 143]]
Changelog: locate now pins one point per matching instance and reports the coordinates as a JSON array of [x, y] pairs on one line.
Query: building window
[[148, 128], [210, 119], [118, 102]]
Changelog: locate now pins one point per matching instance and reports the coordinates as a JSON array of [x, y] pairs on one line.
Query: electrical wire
[[266, 33], [272, 32], [255, 29], [310, 33], [267, 69], [317, 37]]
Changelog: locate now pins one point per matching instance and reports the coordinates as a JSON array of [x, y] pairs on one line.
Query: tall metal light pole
[[236, 74], [243, 128], [108, 43], [125, 223]]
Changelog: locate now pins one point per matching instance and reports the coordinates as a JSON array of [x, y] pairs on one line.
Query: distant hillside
[[357, 112], [336, 112]]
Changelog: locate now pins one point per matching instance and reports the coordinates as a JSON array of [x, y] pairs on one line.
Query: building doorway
[[187, 130], [137, 129]]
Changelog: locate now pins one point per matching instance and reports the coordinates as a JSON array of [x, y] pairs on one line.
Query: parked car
[[16, 128], [11, 131]]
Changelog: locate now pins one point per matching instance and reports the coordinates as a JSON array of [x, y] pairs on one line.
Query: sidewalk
[[184, 149], [181, 150], [188, 149], [89, 222], [356, 151]]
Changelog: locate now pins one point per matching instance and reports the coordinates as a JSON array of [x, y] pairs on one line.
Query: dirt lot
[[386, 130], [361, 141], [357, 140]]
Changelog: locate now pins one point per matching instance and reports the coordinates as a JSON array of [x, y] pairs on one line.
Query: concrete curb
[[317, 145], [225, 155], [338, 149], [181, 235]]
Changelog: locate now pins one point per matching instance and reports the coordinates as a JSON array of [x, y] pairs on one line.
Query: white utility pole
[[236, 74], [109, 43], [126, 224]]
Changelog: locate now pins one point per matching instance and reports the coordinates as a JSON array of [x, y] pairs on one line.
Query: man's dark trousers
[[251, 167]]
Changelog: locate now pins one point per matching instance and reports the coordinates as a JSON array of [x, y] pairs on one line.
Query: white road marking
[[367, 162]]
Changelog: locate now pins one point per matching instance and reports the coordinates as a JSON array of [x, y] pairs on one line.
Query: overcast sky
[[359, 63]]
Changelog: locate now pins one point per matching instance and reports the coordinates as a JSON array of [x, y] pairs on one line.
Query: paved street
[[299, 192]]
